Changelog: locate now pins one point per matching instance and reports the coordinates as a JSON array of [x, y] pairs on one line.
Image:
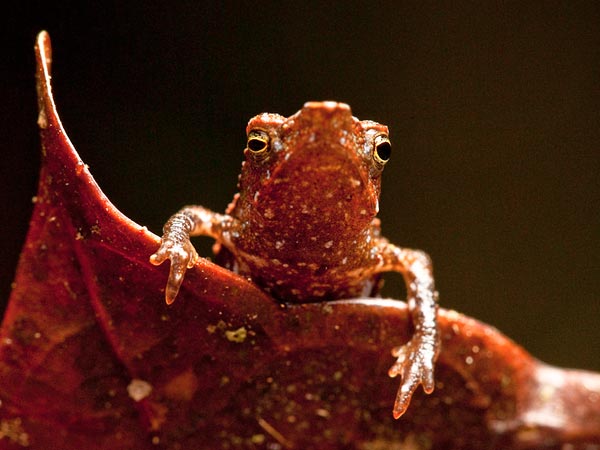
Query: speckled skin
[[303, 225], [306, 215]]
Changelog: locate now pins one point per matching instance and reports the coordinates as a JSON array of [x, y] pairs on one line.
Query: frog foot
[[183, 256], [415, 362]]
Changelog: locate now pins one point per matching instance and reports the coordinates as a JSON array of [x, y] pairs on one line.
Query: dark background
[[493, 109]]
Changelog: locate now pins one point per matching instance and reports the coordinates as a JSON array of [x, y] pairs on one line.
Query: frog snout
[[329, 106], [325, 115]]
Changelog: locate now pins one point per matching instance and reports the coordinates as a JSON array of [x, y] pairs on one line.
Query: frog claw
[[415, 365], [403, 398], [176, 274], [183, 256], [159, 257], [400, 354]]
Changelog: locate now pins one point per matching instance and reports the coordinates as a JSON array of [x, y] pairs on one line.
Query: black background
[[493, 109]]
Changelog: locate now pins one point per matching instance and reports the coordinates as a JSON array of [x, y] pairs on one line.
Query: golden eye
[[382, 149], [258, 144]]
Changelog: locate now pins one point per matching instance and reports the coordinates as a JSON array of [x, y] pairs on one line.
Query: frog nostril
[[327, 105], [321, 270]]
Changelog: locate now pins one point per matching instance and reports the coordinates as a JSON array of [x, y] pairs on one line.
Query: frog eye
[[382, 149], [258, 144]]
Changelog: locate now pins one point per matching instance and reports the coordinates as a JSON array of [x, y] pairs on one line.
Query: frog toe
[[159, 257]]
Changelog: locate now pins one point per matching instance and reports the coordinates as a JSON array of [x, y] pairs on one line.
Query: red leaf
[[92, 358]]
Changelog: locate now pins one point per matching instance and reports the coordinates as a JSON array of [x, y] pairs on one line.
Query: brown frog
[[303, 226]]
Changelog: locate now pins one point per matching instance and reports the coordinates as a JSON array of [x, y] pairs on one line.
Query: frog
[[304, 228]]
